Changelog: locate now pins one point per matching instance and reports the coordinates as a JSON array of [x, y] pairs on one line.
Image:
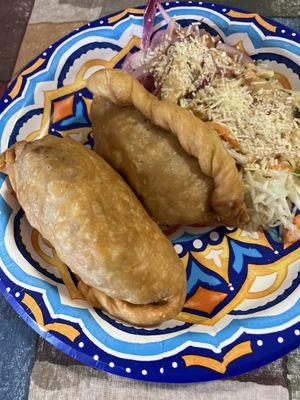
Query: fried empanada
[[168, 181], [98, 227], [151, 164]]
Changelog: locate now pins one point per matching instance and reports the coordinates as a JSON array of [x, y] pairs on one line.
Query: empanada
[[221, 190], [168, 181], [98, 227]]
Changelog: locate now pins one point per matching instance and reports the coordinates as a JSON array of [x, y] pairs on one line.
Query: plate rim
[[68, 349]]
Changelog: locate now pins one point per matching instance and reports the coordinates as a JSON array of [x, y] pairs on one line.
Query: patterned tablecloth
[[32, 369]]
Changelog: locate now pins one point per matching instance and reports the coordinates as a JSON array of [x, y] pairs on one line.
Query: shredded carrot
[[224, 133], [297, 221], [286, 235], [281, 167]]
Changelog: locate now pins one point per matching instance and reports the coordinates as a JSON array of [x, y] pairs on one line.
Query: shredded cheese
[[187, 61], [235, 96], [260, 121], [249, 109]]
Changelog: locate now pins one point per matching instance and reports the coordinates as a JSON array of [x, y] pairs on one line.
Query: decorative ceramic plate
[[243, 297]]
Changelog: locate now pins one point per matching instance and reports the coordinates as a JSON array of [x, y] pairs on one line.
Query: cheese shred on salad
[[256, 117]]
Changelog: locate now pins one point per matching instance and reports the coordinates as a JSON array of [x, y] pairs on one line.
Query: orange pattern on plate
[[205, 300], [257, 17], [63, 108], [236, 352], [62, 328], [122, 14]]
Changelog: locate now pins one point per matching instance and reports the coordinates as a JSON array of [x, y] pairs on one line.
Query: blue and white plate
[[243, 300]]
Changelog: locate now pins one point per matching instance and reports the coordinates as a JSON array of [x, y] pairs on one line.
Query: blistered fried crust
[[137, 314], [168, 181], [195, 136], [7, 160], [98, 228]]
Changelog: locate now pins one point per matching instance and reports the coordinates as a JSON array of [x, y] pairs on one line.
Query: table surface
[[30, 368]]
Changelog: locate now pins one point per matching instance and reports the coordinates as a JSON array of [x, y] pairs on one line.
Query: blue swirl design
[[171, 345]]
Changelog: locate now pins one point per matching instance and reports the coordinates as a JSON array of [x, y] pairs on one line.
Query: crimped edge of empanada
[[136, 314], [196, 137]]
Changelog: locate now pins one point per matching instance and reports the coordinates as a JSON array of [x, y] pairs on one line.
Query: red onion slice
[[233, 51]]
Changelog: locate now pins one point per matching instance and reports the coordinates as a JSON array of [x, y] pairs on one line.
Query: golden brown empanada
[[168, 181], [223, 195], [98, 227]]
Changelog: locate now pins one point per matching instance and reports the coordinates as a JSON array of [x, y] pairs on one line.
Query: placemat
[[30, 368]]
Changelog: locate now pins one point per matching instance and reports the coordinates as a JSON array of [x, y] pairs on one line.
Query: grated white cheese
[[251, 105], [186, 61], [261, 121]]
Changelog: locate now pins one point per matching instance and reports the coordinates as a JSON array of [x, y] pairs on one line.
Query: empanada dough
[[197, 138], [98, 228], [168, 181]]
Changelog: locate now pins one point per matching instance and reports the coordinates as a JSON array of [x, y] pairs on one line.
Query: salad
[[256, 116]]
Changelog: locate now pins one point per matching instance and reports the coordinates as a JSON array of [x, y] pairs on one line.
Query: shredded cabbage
[[272, 199]]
